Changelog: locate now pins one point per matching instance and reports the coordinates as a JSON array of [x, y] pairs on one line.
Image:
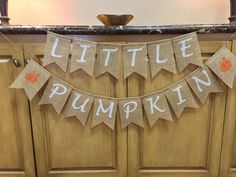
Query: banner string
[[18, 49]]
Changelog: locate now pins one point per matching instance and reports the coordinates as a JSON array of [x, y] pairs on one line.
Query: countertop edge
[[118, 30]]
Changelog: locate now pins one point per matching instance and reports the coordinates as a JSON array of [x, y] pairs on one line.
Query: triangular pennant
[[161, 56], [203, 82], [131, 112], [79, 105], [187, 50], [83, 56], [56, 93], [104, 111], [156, 107], [108, 59], [57, 50], [135, 59], [32, 79], [223, 64], [180, 97]]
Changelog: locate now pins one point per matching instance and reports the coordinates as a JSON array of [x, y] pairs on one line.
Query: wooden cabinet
[[199, 144], [63, 147], [190, 146], [16, 146], [228, 156]]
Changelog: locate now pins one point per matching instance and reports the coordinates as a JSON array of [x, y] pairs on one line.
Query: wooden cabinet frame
[[17, 156], [127, 155], [228, 156]]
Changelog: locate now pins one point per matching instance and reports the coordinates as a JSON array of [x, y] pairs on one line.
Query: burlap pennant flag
[[56, 93], [57, 50], [131, 112], [161, 56], [104, 111], [135, 59], [203, 82], [78, 105], [83, 56], [108, 59], [31, 79], [187, 50], [156, 107], [223, 64], [180, 97]]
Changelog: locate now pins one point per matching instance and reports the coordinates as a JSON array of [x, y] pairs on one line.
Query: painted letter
[[108, 54], [101, 108], [85, 48], [82, 106], [134, 51], [181, 99], [153, 105], [53, 52], [198, 81], [184, 46], [158, 55], [56, 88], [127, 109]]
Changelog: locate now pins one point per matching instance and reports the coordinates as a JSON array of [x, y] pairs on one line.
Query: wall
[[146, 12]]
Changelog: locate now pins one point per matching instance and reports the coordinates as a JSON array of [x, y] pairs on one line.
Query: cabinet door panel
[[63, 146], [189, 146], [16, 157], [228, 156]]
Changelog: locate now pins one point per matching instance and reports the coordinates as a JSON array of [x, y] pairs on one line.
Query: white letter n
[[199, 81]]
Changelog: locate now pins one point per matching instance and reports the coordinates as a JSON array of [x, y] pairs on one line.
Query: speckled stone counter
[[118, 30]]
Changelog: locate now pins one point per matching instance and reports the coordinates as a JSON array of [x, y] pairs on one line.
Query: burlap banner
[[131, 112], [73, 102], [223, 64], [187, 51], [161, 56], [57, 50], [203, 83], [32, 79], [56, 93], [165, 54], [135, 60], [180, 97], [108, 59], [156, 107], [104, 111], [78, 105], [83, 56]]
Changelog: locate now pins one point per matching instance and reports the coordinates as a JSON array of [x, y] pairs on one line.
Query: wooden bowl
[[114, 20]]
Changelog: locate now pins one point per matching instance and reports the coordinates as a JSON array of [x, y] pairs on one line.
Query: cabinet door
[[16, 148], [189, 146], [228, 157], [63, 147]]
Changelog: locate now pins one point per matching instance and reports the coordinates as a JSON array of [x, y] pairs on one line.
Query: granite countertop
[[118, 30]]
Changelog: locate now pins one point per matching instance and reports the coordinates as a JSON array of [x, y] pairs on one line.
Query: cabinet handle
[[26, 61], [16, 62]]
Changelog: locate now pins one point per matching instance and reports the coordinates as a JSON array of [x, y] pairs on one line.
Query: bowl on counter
[[115, 20]]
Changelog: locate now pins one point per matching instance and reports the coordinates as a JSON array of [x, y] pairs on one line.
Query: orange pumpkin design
[[32, 77], [225, 64]]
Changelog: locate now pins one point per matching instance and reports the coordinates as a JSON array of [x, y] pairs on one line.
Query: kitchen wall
[[146, 12]]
